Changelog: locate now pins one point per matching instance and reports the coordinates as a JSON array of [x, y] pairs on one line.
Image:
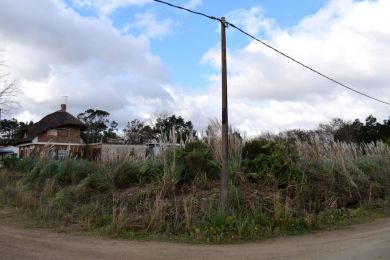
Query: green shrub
[[150, 171], [126, 174], [93, 215], [63, 199], [26, 165], [9, 162], [33, 177], [252, 149], [275, 164], [94, 184], [20, 165], [332, 217], [377, 169], [72, 171], [196, 158], [49, 170]]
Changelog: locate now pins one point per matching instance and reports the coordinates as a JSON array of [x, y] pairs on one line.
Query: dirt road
[[367, 241]]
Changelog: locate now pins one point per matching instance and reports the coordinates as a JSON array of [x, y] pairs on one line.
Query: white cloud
[[192, 4], [150, 26], [56, 52], [346, 40], [253, 20], [106, 7]]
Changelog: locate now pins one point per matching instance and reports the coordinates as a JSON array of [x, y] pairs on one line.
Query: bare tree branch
[[8, 89]]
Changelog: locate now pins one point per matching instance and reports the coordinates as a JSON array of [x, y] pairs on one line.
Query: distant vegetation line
[[101, 128]]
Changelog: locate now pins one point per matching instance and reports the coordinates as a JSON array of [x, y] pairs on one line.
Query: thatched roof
[[52, 121]]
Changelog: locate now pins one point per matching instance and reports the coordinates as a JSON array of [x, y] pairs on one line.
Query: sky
[[140, 59]]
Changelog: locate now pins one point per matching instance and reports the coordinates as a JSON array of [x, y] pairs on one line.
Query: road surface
[[366, 241]]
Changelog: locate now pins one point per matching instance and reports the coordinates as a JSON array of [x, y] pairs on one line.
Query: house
[[57, 135], [8, 151]]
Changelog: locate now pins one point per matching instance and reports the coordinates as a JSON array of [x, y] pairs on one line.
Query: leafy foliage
[[182, 129], [96, 182], [273, 163], [196, 158], [126, 174], [11, 131], [98, 125], [282, 188], [358, 132], [137, 132]]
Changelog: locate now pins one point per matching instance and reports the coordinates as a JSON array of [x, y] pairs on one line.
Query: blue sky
[[138, 59], [182, 49]]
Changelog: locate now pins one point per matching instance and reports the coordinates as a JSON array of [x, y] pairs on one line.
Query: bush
[[33, 176], [150, 171], [377, 169], [95, 183], [72, 171], [20, 165], [273, 163], [26, 165], [9, 162], [47, 171], [63, 200], [196, 158], [95, 214], [126, 174], [252, 149]]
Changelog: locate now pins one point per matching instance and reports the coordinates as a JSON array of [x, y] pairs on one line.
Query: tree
[[8, 89], [11, 130], [371, 131], [359, 132], [110, 133], [96, 122], [166, 127], [349, 132], [137, 132], [8, 128]]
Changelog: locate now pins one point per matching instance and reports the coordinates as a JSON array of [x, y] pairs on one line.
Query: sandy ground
[[366, 241]]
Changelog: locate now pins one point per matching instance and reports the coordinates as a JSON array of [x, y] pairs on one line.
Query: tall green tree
[[166, 128], [138, 132], [110, 133], [11, 130], [8, 128], [363, 132], [96, 122]]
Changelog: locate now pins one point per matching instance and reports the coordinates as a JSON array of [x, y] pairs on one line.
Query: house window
[[52, 132], [63, 132], [58, 154]]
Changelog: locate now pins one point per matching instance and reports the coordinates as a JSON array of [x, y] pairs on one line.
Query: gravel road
[[365, 241]]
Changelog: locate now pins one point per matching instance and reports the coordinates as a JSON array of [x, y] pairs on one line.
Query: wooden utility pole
[[225, 124]]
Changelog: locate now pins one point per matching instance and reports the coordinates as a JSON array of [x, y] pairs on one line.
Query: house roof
[[52, 121]]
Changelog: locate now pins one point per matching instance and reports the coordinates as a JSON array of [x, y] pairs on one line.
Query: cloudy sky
[[138, 58]]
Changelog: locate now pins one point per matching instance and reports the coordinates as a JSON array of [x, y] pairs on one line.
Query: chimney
[[63, 108]]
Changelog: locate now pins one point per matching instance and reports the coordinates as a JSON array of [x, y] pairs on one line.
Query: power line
[[188, 10], [276, 50], [306, 66]]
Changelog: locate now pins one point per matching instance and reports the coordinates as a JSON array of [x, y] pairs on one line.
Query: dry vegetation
[[278, 186]]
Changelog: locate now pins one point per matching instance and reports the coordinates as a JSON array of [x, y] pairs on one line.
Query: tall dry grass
[[315, 149], [213, 136]]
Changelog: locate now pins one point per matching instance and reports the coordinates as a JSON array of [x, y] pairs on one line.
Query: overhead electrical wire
[[188, 10], [276, 50]]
